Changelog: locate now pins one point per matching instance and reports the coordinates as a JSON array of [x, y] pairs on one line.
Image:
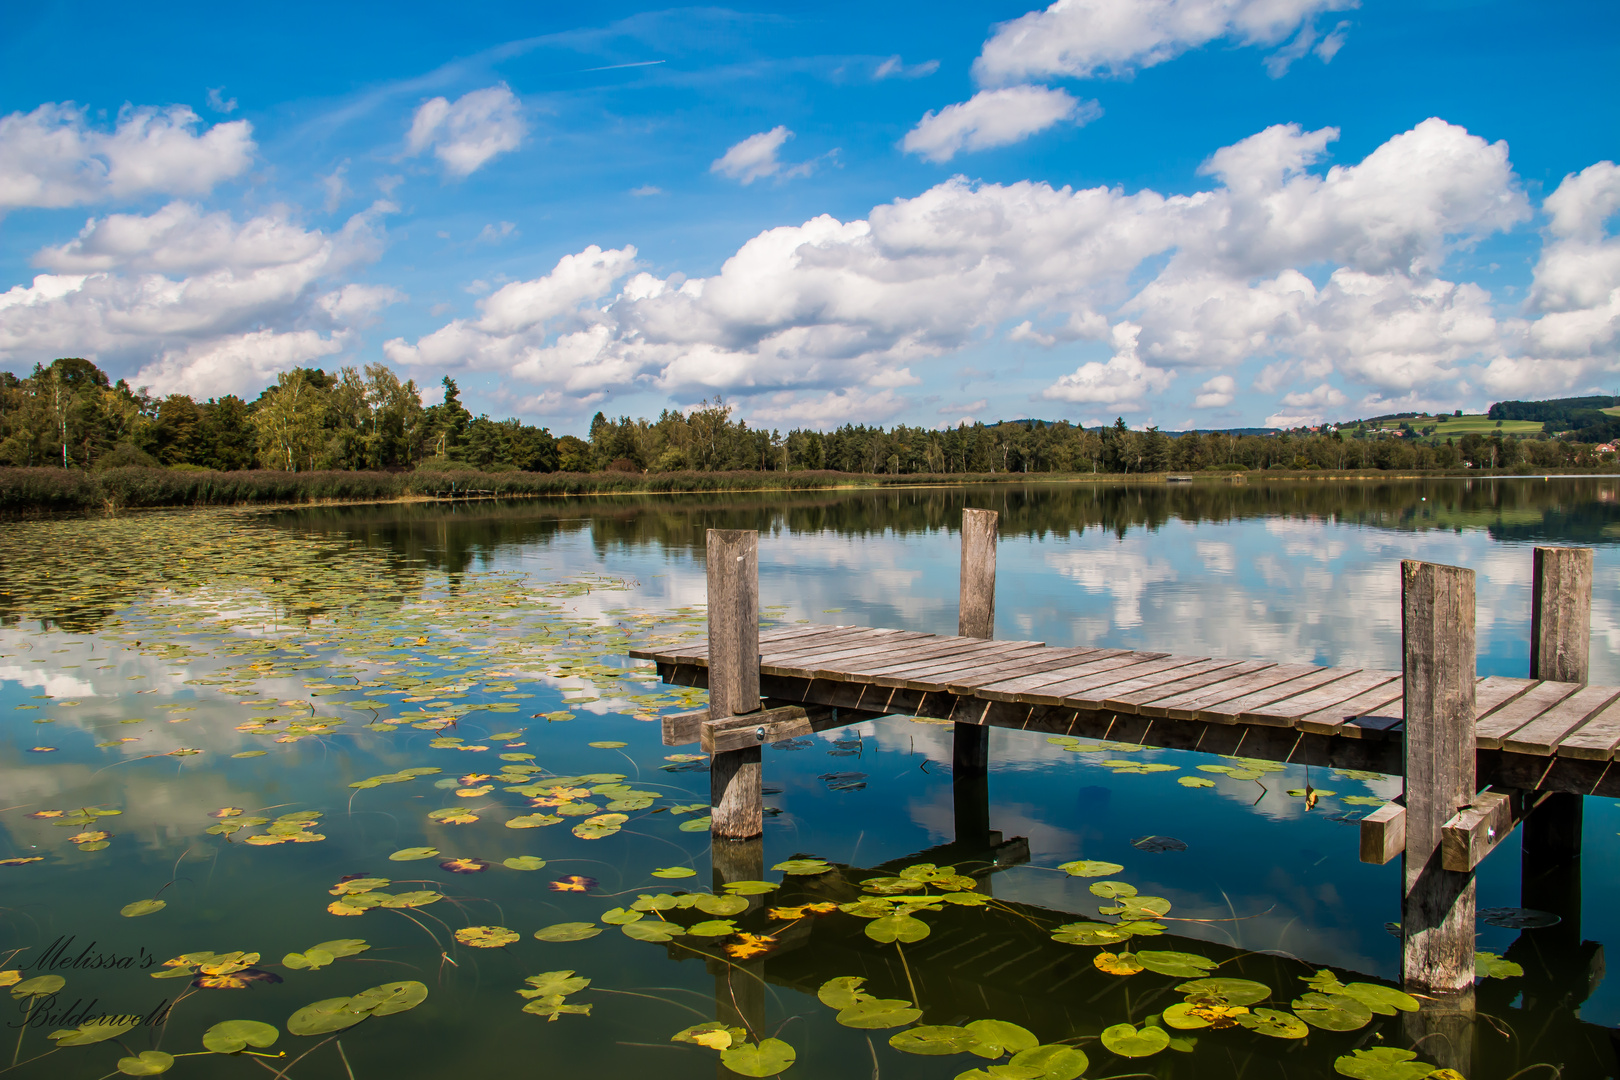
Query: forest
[[70, 415]]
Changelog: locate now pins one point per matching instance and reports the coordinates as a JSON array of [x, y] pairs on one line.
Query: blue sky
[[1193, 213]]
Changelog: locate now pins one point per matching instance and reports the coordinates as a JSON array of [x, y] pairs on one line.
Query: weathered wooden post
[[737, 812], [1437, 910], [1560, 650], [976, 618]]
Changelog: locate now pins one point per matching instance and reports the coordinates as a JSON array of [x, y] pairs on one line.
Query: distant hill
[[1559, 411]]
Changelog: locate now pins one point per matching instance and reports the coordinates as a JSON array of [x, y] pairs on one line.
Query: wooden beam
[[976, 618], [1476, 829], [774, 725], [682, 728], [737, 809], [1437, 911], [1560, 648], [1383, 833]]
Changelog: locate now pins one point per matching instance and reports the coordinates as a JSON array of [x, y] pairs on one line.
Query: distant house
[[1605, 448]]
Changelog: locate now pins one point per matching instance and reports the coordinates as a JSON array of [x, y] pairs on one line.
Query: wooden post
[[1437, 636], [1560, 650], [736, 806], [976, 618]]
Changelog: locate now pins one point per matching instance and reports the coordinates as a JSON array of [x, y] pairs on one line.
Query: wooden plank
[[1383, 833], [1438, 661], [1191, 705], [1597, 739], [1476, 829], [863, 668], [1500, 722], [1061, 693], [855, 641], [1339, 719], [1561, 614], [732, 571], [1334, 693], [807, 663], [682, 728], [1243, 708], [804, 642], [976, 651], [934, 676], [1113, 696], [1542, 735], [1048, 659], [1144, 701], [1009, 689], [976, 608], [1497, 690]]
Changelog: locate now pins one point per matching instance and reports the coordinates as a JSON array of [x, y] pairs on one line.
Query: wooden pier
[[1478, 755]]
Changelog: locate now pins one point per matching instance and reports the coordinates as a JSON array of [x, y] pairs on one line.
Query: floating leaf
[[486, 937], [713, 928], [1384, 1000], [874, 1013], [1382, 1063], [1226, 991], [568, 931], [411, 854], [696, 825], [573, 883], [39, 986], [748, 945], [801, 867], [1491, 966], [1179, 964], [934, 1040], [1089, 868], [842, 992], [324, 1016], [1189, 1016], [897, 928], [464, 866], [674, 872], [1055, 1062], [1332, 1012], [996, 1037], [554, 982], [608, 745], [720, 905], [146, 1063], [1116, 963], [619, 916], [1127, 1041], [93, 1032], [1090, 933], [1194, 782], [713, 1034], [1157, 844], [1273, 1022], [524, 862], [751, 888], [142, 907], [230, 1036], [767, 1058], [1112, 889], [652, 930]]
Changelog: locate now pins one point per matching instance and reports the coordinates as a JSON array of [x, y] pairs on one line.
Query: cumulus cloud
[[994, 118], [1090, 38], [53, 157], [1216, 393], [831, 409], [895, 68], [465, 134], [198, 301], [1124, 381], [755, 158]]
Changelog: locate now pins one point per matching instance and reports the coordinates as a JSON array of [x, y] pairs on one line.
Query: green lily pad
[[1111, 889], [842, 992], [142, 907], [751, 888], [1008, 1071], [608, 744], [1054, 1061], [1194, 782], [1001, 1036], [1382, 1063], [674, 872], [411, 854], [1127, 1041], [1490, 966], [554, 982], [93, 1032], [652, 930], [1332, 1012], [934, 1040], [696, 825], [720, 905], [324, 1016], [39, 986], [568, 931], [873, 1013], [1089, 868], [146, 1063], [230, 1036], [1383, 1000], [769, 1057], [1090, 933], [1179, 964], [524, 862], [897, 928], [1275, 1023], [1227, 991], [802, 867], [391, 998], [620, 917], [712, 928]]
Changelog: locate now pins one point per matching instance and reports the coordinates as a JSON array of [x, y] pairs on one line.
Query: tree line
[[69, 414]]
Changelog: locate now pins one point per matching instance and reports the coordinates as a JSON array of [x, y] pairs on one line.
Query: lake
[[359, 686]]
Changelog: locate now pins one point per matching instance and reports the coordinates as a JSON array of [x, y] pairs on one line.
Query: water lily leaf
[[411, 854], [897, 928], [93, 1032], [524, 862], [1179, 964], [843, 992], [619, 916], [801, 867], [1008, 1071], [568, 931], [652, 930], [1227, 991], [767, 1058], [554, 982], [1116, 963], [486, 937], [696, 824], [1136, 907], [1158, 844], [146, 1063], [674, 872], [934, 1040], [1332, 1012], [873, 1013], [1089, 868], [1054, 1062], [1383, 1000], [892, 886], [1126, 1041], [311, 959], [230, 1036], [142, 907], [1194, 782], [1491, 966], [1511, 918], [532, 821], [1090, 933], [415, 899], [751, 888], [1382, 1063], [39, 986], [464, 866], [323, 1017], [713, 1034], [1002, 1037], [608, 745], [720, 905], [1191, 1015], [712, 928], [1111, 889], [1275, 1023]]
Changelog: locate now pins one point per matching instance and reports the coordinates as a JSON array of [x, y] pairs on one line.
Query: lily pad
[[1275, 1023], [842, 992], [93, 1032], [1089, 868], [1382, 1063], [142, 907], [411, 854], [324, 1016], [1179, 964], [712, 928], [1227, 991], [1054, 1062], [554, 982], [38, 986], [1190, 1016], [1332, 1012], [934, 1040], [1090, 933], [873, 1013], [721, 906], [751, 888], [524, 862], [486, 937], [897, 928], [619, 916], [1111, 889], [1491, 966], [1127, 1041], [674, 872], [1001, 1037], [568, 931], [230, 1036], [146, 1063], [1384, 1000], [652, 930], [801, 867], [767, 1058]]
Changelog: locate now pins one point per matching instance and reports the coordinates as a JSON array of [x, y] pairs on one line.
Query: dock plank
[[1113, 695], [1502, 721], [1334, 693], [1243, 708], [938, 676], [1073, 690], [968, 682], [1596, 740], [1142, 701], [1009, 689], [865, 668], [1543, 734], [1193, 704]]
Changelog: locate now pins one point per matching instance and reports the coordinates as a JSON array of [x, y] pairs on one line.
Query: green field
[[1467, 424]]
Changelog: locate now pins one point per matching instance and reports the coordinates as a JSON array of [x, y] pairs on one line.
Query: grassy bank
[[31, 491]]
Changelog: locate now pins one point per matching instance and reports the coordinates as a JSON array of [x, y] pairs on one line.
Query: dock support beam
[[1560, 650], [1437, 910], [736, 804], [976, 618]]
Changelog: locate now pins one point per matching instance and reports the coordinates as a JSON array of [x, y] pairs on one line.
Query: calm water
[[176, 630]]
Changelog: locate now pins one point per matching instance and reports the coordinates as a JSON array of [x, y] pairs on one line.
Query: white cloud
[[334, 186], [494, 234], [755, 158], [1323, 396], [1293, 420], [237, 363], [645, 190], [994, 118], [466, 134], [1124, 381], [219, 102], [831, 409], [894, 67], [52, 157], [355, 302], [1090, 38], [1216, 393]]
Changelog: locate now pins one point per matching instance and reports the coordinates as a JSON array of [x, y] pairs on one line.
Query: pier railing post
[[1560, 650], [1437, 910], [976, 617], [737, 811]]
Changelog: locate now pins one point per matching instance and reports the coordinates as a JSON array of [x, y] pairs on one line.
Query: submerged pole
[[976, 618], [736, 806]]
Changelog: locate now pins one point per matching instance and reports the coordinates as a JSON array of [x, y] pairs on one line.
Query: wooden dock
[[1478, 755]]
